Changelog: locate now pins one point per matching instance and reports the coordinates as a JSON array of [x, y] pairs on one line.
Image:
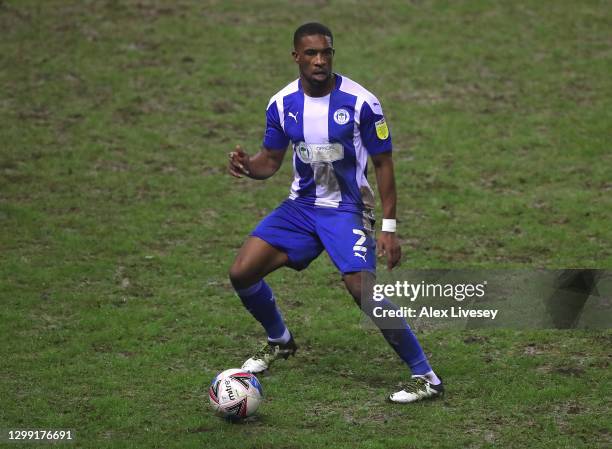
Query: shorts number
[[359, 243]]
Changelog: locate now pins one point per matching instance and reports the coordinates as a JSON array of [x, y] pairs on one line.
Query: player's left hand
[[388, 245]]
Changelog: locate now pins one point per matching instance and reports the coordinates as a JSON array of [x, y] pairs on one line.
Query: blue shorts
[[303, 231]]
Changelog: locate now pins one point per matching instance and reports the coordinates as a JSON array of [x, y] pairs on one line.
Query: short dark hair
[[308, 29]]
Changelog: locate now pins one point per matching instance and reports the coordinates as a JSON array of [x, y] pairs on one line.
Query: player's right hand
[[238, 163]]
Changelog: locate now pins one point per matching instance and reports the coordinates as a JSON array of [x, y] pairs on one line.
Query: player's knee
[[360, 289], [239, 275], [236, 276], [355, 291]]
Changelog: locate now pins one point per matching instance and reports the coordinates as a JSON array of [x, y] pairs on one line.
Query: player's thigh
[[255, 260], [348, 239], [290, 228]]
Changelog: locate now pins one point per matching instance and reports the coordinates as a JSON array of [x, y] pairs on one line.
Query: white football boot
[[417, 389], [270, 352]]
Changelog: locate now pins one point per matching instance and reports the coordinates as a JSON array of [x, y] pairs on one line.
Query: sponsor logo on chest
[[319, 152]]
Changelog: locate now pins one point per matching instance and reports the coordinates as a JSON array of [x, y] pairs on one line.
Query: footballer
[[333, 125]]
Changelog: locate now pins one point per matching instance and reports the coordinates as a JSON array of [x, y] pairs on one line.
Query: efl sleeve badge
[[381, 129]]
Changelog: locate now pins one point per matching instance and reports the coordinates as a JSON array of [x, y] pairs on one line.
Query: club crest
[[341, 116]]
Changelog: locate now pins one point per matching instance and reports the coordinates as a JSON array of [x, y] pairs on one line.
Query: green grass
[[118, 222]]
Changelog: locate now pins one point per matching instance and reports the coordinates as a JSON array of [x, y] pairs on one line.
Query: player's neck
[[313, 90]]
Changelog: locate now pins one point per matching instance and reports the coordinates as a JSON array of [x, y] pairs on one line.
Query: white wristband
[[389, 225]]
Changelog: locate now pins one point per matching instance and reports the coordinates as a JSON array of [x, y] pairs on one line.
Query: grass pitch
[[118, 222]]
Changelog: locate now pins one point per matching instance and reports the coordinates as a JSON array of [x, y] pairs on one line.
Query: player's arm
[[388, 244], [262, 165]]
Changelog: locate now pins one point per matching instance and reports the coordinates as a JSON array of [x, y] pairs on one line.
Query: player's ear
[[295, 55]]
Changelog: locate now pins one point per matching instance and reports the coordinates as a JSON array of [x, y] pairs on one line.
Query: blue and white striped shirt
[[331, 138]]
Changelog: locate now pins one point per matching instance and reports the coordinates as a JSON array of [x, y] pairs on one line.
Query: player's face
[[314, 55]]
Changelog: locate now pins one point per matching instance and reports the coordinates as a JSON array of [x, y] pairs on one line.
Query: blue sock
[[401, 338], [259, 300]]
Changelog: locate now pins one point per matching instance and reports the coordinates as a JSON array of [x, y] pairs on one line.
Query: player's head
[[313, 51], [312, 29]]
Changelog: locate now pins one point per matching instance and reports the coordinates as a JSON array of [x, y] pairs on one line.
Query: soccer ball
[[235, 394]]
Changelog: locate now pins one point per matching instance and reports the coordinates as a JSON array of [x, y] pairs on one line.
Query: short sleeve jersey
[[331, 138]]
